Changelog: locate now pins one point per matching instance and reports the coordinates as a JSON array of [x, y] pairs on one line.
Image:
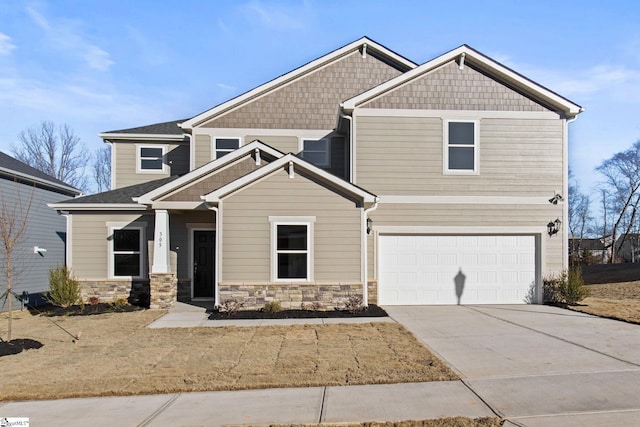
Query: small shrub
[[230, 306], [64, 289], [272, 307], [119, 303], [565, 288], [94, 301], [354, 304], [312, 306]]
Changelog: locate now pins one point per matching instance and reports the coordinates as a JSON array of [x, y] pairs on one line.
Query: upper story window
[[151, 159], [222, 146], [461, 147], [316, 151]]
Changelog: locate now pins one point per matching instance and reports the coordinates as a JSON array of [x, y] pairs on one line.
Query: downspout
[[216, 261], [365, 250], [351, 148], [565, 191]]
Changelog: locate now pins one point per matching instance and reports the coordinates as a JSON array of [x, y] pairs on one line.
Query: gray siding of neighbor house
[[311, 101], [45, 229], [246, 229], [475, 215], [89, 241], [404, 156], [124, 168], [450, 88]]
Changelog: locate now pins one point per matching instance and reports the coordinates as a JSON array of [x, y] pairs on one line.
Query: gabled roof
[[159, 191], [324, 176], [13, 168], [164, 130], [121, 198], [466, 55], [365, 43]]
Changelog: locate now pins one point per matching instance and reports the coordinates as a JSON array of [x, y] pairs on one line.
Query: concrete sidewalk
[[392, 402]]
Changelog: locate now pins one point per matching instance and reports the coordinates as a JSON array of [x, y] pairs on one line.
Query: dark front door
[[204, 253]]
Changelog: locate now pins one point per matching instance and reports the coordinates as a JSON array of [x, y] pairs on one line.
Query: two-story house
[[360, 173]]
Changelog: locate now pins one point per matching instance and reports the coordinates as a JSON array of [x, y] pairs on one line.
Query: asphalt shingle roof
[[12, 164], [164, 128], [121, 195]]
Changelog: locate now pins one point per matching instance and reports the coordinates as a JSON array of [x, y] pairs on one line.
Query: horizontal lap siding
[[89, 241], [126, 158], [459, 215], [286, 144], [202, 149], [403, 156], [247, 238]]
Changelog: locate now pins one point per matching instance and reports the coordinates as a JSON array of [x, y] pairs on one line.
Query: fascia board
[[141, 136], [97, 206], [292, 75], [220, 193], [43, 182], [148, 198], [472, 56]]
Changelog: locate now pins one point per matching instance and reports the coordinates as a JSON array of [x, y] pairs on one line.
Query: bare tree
[[579, 216], [102, 169], [14, 216], [58, 153], [621, 194]]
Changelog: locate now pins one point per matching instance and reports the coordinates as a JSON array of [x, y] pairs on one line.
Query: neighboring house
[[25, 191], [597, 248], [629, 249], [360, 173]]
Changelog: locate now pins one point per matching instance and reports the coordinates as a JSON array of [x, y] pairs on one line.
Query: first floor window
[[316, 151], [223, 146], [151, 159], [292, 251], [127, 252], [461, 146]]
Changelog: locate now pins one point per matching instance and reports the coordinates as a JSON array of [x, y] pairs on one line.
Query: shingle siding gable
[[310, 102], [451, 88]]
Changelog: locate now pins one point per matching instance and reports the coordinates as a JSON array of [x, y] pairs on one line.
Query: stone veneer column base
[[164, 290], [372, 292]]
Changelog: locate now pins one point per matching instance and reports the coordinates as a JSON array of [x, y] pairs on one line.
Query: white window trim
[[327, 161], [476, 148], [139, 158], [275, 222], [214, 150], [110, 241]]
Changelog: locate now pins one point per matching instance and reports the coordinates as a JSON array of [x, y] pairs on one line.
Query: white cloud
[[67, 36], [226, 87], [276, 17], [6, 45]]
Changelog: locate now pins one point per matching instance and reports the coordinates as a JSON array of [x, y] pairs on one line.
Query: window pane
[[461, 158], [126, 240], [151, 164], [126, 265], [292, 266], [150, 152], [315, 145], [292, 237], [315, 157], [460, 133], [227, 143]]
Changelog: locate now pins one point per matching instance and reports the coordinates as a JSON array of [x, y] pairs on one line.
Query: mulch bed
[[371, 311], [18, 346], [84, 310]]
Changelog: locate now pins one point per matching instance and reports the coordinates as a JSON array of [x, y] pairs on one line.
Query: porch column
[[161, 262]]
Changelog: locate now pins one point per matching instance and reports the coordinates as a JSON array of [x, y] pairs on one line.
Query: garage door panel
[[423, 269]]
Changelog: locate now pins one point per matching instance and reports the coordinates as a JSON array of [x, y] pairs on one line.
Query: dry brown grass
[[118, 355], [619, 301], [440, 422]]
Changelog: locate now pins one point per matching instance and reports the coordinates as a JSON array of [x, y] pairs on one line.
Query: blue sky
[[105, 65]]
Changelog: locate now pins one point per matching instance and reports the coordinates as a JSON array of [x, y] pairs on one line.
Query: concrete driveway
[[537, 365]]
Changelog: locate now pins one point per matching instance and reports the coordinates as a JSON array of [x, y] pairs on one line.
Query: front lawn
[[118, 355], [619, 301]]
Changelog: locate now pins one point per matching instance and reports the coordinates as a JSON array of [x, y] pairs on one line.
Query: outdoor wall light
[[38, 250], [24, 299], [369, 225], [555, 199], [553, 227]]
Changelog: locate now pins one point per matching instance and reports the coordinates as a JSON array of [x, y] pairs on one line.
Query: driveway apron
[[534, 364]]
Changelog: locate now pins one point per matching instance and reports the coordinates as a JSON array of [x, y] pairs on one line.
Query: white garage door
[[474, 269]]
